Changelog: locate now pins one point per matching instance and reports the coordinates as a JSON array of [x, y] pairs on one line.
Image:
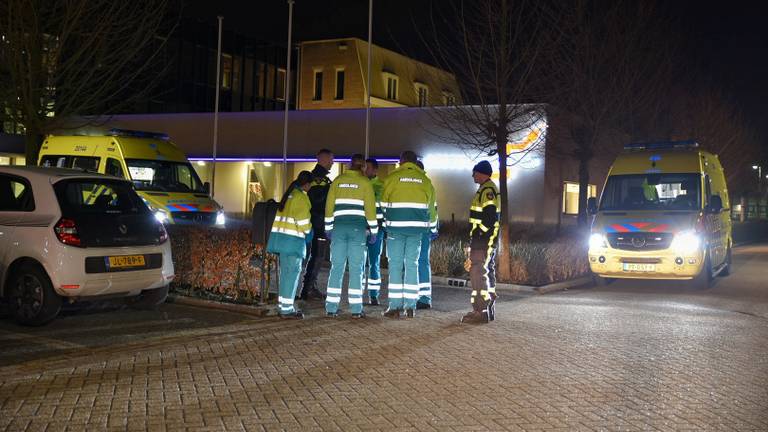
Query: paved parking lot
[[631, 356]]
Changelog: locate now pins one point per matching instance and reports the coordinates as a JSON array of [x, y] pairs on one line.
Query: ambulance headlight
[[161, 216], [686, 242], [597, 241], [220, 218]]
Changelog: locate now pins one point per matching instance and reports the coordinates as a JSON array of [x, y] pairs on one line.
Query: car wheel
[[726, 271], [703, 280], [149, 299], [33, 300]]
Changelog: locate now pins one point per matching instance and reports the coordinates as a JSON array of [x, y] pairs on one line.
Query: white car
[[68, 234]]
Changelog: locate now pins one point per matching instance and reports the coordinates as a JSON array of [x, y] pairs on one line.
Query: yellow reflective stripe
[[487, 203], [477, 209], [483, 227], [475, 221]]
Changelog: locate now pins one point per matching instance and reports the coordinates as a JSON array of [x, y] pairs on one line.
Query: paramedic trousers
[[290, 270], [348, 245], [482, 273], [374, 265], [425, 271], [403, 257]]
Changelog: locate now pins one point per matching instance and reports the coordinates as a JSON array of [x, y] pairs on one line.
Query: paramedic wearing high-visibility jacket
[[350, 223], [374, 249], [290, 234], [317, 195], [484, 218], [425, 269], [408, 201]]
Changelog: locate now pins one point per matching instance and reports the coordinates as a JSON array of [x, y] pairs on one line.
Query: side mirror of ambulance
[[592, 205], [715, 204]]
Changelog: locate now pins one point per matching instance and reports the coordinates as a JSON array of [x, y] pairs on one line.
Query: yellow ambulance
[[160, 172], [664, 213]]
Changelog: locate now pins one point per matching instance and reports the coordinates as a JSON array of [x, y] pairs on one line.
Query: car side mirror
[[207, 187], [715, 204], [592, 205]]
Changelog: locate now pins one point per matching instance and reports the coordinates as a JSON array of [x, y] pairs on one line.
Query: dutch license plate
[[125, 261], [635, 267]]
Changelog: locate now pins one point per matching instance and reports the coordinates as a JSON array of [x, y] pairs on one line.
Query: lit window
[[339, 84], [226, 71], [571, 197], [390, 81], [280, 90], [317, 91]]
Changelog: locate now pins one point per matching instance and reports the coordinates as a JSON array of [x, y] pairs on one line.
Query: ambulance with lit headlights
[[664, 213], [159, 171]]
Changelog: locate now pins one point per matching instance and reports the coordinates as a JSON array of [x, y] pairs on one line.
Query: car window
[[15, 194], [87, 163], [78, 196], [164, 176], [652, 192], [113, 168]]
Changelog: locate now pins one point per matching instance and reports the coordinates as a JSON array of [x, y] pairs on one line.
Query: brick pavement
[[555, 363]]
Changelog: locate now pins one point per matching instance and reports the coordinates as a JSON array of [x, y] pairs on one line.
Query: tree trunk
[[503, 259], [32, 143], [583, 190]]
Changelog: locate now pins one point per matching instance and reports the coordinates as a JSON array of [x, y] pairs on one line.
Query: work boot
[[358, 315], [422, 305], [297, 315], [410, 313], [392, 313], [331, 314], [491, 310], [374, 301], [475, 317]]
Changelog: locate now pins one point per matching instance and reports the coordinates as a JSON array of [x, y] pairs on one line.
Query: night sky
[[727, 41]]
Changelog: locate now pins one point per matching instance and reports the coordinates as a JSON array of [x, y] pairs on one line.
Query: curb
[[515, 288], [257, 311]]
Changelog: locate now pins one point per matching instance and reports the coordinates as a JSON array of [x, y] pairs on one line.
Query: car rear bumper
[[72, 280]]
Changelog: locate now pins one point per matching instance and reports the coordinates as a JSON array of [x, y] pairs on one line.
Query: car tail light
[[66, 232], [163, 237]]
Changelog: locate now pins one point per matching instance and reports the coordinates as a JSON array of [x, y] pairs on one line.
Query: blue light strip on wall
[[279, 159]]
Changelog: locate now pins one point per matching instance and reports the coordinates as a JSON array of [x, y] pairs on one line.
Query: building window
[[280, 90], [571, 197], [422, 94], [226, 71], [317, 91], [339, 84], [449, 99], [391, 82]]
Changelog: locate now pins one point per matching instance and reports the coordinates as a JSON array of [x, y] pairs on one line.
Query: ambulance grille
[[640, 241]]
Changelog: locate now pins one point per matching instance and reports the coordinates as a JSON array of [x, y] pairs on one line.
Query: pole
[[216, 110], [368, 82], [287, 86]]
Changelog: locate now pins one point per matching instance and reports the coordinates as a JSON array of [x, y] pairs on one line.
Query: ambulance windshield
[[164, 176], [652, 192]]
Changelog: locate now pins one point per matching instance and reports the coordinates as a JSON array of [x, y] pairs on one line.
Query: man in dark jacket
[[318, 192]]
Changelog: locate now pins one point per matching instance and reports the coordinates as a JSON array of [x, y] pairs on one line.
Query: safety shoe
[[358, 315], [475, 317], [410, 313], [422, 305], [332, 314], [297, 315], [491, 310], [374, 301], [392, 313]]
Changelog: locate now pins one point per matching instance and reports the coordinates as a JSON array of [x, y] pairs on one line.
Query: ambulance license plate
[[636, 267], [126, 261]]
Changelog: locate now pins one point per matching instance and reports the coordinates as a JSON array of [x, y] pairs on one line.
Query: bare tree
[[491, 47], [62, 58], [610, 64]]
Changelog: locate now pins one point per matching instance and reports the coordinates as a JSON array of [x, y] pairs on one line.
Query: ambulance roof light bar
[[137, 134], [666, 145]]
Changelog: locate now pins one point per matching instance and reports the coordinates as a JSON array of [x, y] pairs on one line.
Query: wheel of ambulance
[[602, 281], [726, 271], [703, 280], [32, 298], [150, 299]]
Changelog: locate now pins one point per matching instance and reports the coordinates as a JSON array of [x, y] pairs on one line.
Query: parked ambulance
[[159, 171], [664, 213]]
